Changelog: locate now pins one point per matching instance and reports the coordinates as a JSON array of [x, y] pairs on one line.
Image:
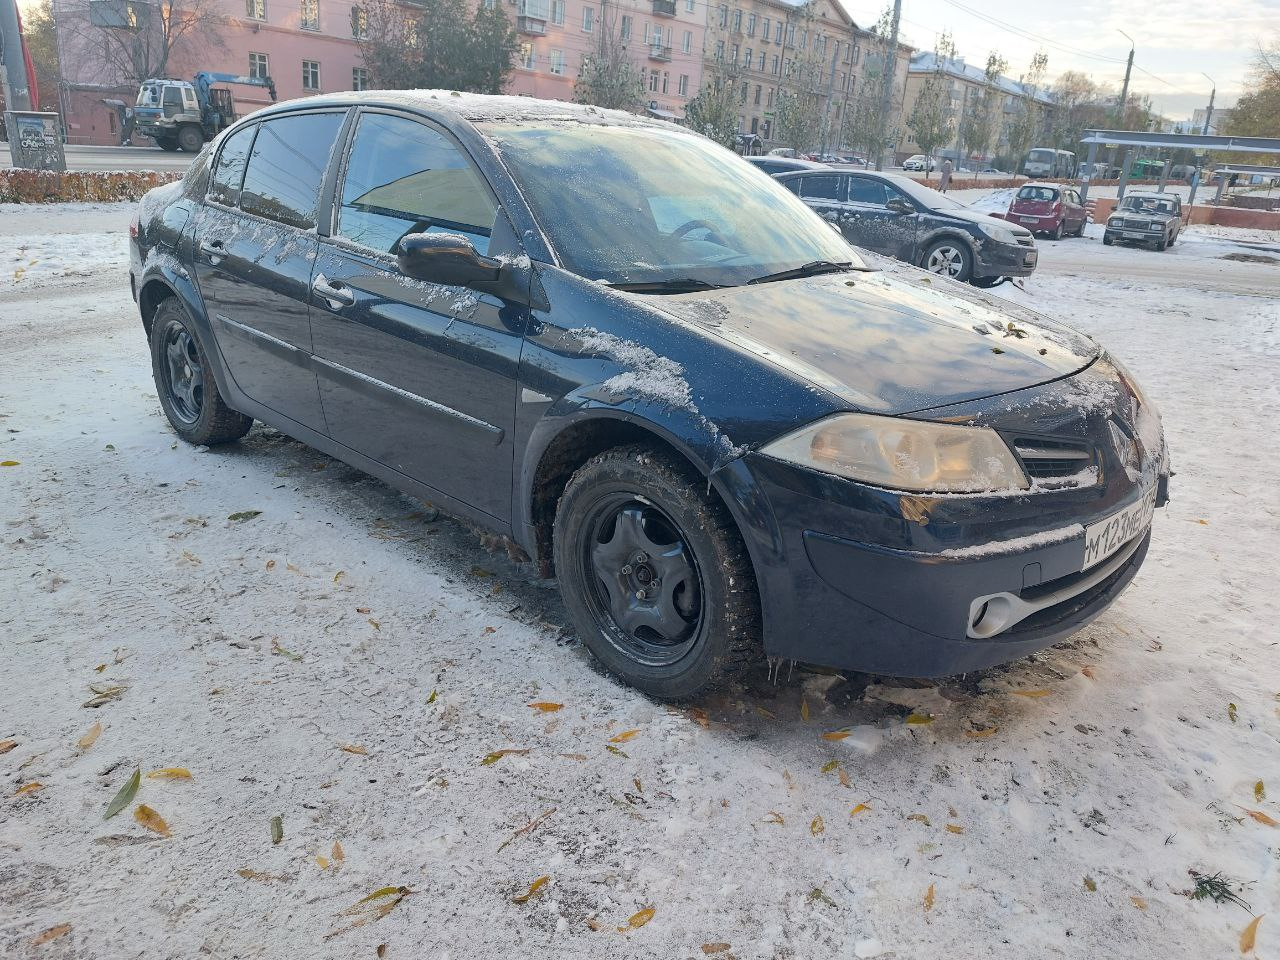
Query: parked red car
[[1049, 208]]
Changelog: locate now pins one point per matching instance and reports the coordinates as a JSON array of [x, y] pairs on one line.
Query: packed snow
[[409, 702]]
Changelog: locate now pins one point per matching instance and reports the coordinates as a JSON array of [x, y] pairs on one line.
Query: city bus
[[1047, 162]]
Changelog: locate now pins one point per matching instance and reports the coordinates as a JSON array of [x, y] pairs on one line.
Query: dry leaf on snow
[[774, 817], [170, 773], [712, 948], [7, 745], [954, 828], [339, 854], [532, 891], [919, 818], [1138, 902], [918, 719], [804, 710], [277, 829], [860, 808], [638, 919], [89, 739], [373, 907], [817, 826], [151, 820], [835, 735], [1259, 791], [830, 765], [497, 755], [28, 788], [125, 796], [62, 929], [543, 706], [929, 897], [624, 736], [1249, 936], [353, 748], [1261, 817]]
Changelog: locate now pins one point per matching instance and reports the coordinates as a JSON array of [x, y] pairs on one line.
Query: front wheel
[[950, 258], [654, 573], [167, 144], [191, 139], [184, 381]]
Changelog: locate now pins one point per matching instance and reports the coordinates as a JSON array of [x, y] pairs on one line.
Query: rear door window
[[229, 173], [287, 167], [405, 177], [821, 188], [868, 191]]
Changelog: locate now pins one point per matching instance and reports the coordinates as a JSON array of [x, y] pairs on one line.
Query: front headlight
[[912, 455], [998, 233], [1115, 221]]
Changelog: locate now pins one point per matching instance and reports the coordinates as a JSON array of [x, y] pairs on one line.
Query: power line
[[1028, 35]]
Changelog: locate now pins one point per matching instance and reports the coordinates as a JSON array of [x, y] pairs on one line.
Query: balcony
[[660, 51], [532, 26], [664, 8]]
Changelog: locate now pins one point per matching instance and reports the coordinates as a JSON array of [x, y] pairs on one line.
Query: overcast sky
[[1175, 41]]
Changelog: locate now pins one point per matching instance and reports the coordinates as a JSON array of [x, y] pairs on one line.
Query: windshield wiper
[[673, 285], [811, 269]]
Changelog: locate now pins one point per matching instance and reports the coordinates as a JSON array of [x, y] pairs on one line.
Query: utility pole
[[1208, 115], [890, 69], [1124, 91], [17, 93]]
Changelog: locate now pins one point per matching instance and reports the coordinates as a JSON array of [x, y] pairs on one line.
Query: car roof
[[452, 105], [1051, 186], [1152, 195], [795, 163]]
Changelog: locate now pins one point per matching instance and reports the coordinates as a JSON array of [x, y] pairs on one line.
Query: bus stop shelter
[[1168, 141]]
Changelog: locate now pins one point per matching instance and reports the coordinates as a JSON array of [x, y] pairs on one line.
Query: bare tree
[[153, 38], [980, 127], [1028, 123], [932, 121], [864, 125], [609, 77]]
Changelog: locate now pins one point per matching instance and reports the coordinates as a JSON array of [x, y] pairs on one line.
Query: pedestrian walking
[[948, 168]]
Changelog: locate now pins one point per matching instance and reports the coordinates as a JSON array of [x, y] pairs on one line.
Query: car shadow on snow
[[771, 699]]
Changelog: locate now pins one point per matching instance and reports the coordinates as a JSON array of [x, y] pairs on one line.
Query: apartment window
[[359, 23], [557, 12], [624, 29], [690, 5], [724, 16], [734, 51], [557, 62], [687, 44], [526, 55], [737, 21], [777, 65], [588, 19], [309, 18], [759, 90], [804, 39], [653, 81], [682, 85], [777, 32], [719, 50], [791, 34], [258, 66], [761, 66], [255, 9], [746, 92], [768, 98], [647, 31], [747, 58], [751, 25], [310, 74], [359, 78], [755, 124], [665, 77]]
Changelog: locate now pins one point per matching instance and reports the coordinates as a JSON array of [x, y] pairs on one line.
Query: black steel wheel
[[185, 383], [654, 573]]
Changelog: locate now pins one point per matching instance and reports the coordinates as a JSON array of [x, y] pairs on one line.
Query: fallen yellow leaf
[[844, 777], [1249, 936], [954, 828], [919, 818], [1138, 902], [1261, 817], [151, 820], [9, 463], [624, 736], [62, 929], [353, 748], [497, 755], [7, 745], [1088, 672], [532, 891], [774, 817], [981, 734], [638, 919], [1259, 791], [170, 773], [767, 714], [545, 707], [90, 737], [928, 899], [339, 575], [1090, 885], [1231, 712], [860, 808], [830, 765], [712, 948], [835, 735], [31, 787], [804, 711], [1032, 693], [817, 826], [322, 863], [917, 719], [338, 853]]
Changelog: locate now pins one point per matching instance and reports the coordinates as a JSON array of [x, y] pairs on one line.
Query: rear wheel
[[167, 143], [184, 381], [191, 138], [654, 573], [950, 258], [1057, 232]]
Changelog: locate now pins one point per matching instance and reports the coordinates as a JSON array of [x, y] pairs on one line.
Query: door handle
[[337, 293], [213, 249]]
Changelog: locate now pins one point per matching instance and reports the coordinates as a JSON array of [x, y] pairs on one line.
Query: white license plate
[[1029, 219], [1134, 235], [1105, 537]]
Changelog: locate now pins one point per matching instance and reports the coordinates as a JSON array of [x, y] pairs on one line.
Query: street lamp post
[[1208, 115]]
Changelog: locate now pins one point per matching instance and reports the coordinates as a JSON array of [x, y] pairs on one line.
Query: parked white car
[[920, 163]]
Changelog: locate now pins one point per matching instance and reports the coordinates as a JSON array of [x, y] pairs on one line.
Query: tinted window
[[862, 190], [403, 177], [821, 188], [1047, 194], [287, 167], [229, 173]]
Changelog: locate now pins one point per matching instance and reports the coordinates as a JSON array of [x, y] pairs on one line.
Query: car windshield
[[633, 205], [1146, 205], [1041, 156], [1038, 193], [926, 196]]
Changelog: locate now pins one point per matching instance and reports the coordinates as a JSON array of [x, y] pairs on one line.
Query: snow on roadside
[[45, 259], [347, 662]]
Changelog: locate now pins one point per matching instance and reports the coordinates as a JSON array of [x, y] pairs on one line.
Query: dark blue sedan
[[659, 373]]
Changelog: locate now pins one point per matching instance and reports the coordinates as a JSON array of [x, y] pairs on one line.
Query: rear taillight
[[133, 228]]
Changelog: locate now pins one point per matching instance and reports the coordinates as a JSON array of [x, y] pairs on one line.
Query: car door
[[419, 377], [824, 193], [876, 224], [1074, 213], [255, 245]]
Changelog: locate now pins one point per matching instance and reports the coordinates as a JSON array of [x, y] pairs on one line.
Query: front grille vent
[[1046, 459]]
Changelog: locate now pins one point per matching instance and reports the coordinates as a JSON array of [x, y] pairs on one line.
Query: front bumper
[[1125, 235], [995, 259]]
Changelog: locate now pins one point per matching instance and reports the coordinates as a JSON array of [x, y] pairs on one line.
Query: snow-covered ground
[[346, 662]]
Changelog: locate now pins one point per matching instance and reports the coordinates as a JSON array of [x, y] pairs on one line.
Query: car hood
[[890, 341], [973, 216]]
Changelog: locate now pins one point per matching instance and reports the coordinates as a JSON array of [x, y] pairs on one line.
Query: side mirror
[[445, 258], [898, 205]]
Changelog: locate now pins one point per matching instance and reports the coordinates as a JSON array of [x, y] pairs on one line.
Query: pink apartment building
[[309, 47]]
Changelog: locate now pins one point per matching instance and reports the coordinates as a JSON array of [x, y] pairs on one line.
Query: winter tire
[[185, 383], [949, 257], [654, 573], [191, 138], [168, 144], [1057, 232]]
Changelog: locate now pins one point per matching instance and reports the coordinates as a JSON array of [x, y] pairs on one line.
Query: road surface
[[115, 158]]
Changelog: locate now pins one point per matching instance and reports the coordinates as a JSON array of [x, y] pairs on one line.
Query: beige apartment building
[[776, 45]]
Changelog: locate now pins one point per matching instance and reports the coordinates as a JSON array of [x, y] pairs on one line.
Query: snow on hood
[[892, 341]]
